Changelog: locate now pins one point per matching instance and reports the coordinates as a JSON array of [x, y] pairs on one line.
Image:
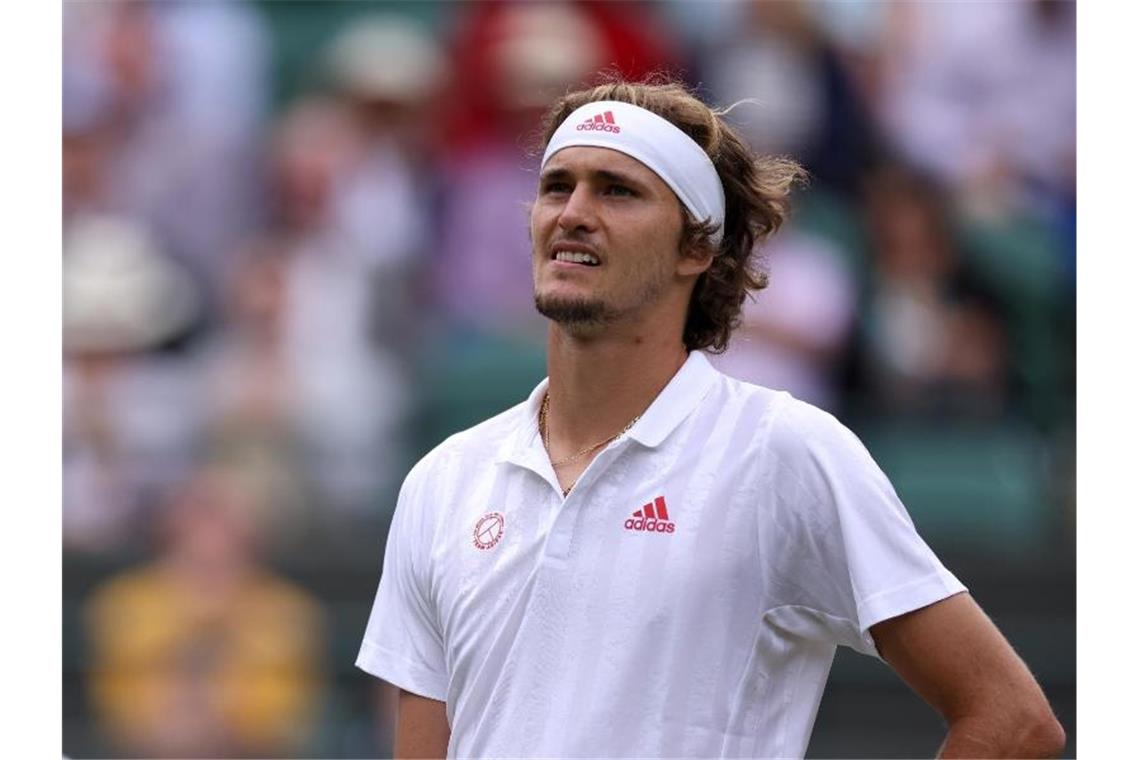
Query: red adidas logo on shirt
[[652, 518], [603, 122]]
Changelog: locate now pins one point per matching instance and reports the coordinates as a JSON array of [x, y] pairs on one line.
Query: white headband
[[670, 153]]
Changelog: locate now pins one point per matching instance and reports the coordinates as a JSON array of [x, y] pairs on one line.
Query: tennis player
[[646, 557]]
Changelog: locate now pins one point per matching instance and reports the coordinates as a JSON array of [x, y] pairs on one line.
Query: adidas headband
[[666, 150]]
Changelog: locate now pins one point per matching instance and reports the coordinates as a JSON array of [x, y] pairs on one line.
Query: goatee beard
[[572, 312]]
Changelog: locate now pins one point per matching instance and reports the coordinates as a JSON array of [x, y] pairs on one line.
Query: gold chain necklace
[[542, 429]]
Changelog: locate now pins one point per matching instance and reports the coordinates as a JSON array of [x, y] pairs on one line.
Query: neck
[[599, 384]]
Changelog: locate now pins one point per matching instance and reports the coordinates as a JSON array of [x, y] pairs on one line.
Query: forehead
[[580, 159]]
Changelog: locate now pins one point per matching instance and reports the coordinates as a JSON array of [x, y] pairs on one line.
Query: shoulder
[[745, 403], [784, 426], [468, 450], [800, 429], [431, 487], [811, 450]]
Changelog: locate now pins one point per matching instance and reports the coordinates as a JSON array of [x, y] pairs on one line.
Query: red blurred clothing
[[628, 38]]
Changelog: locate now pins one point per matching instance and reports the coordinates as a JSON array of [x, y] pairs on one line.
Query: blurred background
[[295, 259]]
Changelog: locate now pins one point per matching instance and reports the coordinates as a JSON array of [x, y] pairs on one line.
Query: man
[[648, 558]]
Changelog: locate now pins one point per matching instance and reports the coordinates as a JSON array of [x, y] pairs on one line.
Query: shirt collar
[[518, 447], [678, 399], [673, 404]]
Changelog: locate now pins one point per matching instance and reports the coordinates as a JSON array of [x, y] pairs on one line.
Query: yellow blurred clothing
[[179, 669]]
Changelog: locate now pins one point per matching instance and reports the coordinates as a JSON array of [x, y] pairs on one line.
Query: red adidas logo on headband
[[603, 122]]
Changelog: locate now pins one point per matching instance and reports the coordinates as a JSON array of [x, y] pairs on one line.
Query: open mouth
[[575, 257]]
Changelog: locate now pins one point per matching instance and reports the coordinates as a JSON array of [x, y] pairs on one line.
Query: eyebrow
[[606, 175]]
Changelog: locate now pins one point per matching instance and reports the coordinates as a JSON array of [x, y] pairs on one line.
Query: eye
[[621, 191], [555, 186]]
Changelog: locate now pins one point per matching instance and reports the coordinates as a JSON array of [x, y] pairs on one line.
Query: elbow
[[1046, 737], [1030, 733], [1038, 734]]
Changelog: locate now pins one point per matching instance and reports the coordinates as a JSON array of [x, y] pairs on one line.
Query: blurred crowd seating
[[296, 258]]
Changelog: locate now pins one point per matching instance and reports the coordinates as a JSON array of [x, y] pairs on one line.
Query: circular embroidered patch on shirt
[[489, 530]]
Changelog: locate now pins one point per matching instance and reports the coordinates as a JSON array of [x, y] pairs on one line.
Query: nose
[[579, 212]]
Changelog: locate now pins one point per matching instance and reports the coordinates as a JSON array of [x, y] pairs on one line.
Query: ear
[[694, 260]]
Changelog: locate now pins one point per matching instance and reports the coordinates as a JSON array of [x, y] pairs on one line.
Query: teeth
[[576, 258]]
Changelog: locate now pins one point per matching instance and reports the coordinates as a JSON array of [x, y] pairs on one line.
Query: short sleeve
[[852, 557], [403, 643]]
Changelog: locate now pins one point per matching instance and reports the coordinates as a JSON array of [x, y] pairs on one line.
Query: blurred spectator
[[983, 95], [391, 70], [934, 340], [203, 652], [855, 27], [162, 108], [510, 59], [795, 332], [131, 416], [388, 73], [250, 413], [298, 395], [801, 101]]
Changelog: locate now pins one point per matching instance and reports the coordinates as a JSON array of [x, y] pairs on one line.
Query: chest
[[626, 556]]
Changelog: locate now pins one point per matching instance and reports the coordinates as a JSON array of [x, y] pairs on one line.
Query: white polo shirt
[[685, 599]]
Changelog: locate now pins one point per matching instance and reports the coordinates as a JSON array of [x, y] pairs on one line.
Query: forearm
[[985, 737], [953, 656]]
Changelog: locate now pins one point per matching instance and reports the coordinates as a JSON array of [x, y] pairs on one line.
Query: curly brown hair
[[756, 190]]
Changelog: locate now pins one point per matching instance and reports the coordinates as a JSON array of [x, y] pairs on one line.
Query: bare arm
[[422, 730], [957, 660]]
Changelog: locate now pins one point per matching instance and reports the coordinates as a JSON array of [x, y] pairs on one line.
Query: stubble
[[582, 315]]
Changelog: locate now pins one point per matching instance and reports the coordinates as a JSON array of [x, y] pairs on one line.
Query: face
[[606, 232]]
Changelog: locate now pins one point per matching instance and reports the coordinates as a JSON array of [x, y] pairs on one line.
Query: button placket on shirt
[[566, 518]]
